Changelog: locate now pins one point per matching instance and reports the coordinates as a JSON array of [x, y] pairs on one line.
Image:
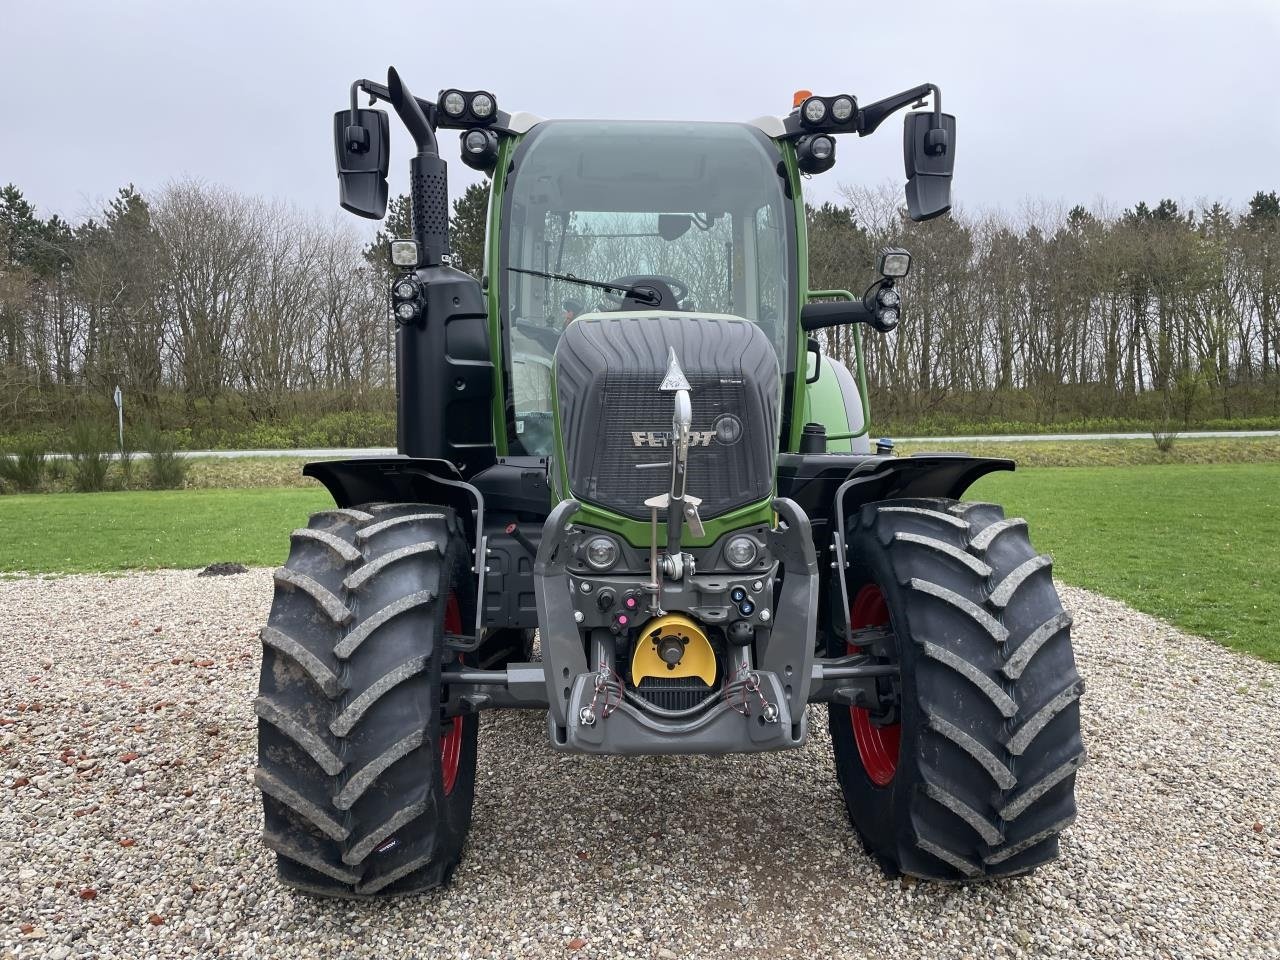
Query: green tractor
[[625, 438]]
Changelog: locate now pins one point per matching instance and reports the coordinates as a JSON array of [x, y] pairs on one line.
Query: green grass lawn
[[1196, 544], [94, 532]]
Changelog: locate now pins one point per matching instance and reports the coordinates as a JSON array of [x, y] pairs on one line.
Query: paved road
[[310, 453], [1027, 437], [327, 452]]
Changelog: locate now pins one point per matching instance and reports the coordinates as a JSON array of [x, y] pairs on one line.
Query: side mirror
[[673, 226], [362, 149], [930, 156]]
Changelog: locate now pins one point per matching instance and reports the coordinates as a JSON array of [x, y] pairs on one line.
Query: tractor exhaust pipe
[[444, 373], [428, 176]]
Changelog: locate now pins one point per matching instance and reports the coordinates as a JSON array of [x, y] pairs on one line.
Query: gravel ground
[[129, 825]]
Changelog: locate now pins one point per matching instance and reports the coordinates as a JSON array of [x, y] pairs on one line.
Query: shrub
[[90, 457], [168, 468], [126, 463], [350, 428], [25, 470], [1164, 435]]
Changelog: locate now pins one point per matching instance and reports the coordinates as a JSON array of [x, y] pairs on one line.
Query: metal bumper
[[734, 725], [763, 707]]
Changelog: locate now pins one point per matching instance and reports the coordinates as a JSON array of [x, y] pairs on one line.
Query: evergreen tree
[[467, 228]]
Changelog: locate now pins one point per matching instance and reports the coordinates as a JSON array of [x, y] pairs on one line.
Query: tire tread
[[997, 742], [348, 754]]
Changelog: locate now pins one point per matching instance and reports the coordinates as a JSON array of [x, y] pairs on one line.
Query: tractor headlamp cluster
[[406, 299], [480, 149], [468, 108], [741, 552], [838, 114], [821, 118], [404, 253], [894, 263], [601, 553], [816, 153]]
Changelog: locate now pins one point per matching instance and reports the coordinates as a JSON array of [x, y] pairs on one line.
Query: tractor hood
[[615, 423]]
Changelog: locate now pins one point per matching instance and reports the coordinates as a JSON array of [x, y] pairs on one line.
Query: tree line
[[1158, 313], [198, 299]]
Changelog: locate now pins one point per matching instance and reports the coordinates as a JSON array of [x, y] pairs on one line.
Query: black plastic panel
[[813, 479], [444, 377]]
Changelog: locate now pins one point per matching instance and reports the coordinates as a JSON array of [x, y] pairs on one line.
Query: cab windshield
[[696, 210]]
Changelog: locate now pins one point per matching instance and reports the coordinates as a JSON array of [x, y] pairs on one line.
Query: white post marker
[[119, 399]]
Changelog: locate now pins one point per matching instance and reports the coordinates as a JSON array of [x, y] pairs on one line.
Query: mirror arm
[[817, 316], [872, 115], [380, 91]]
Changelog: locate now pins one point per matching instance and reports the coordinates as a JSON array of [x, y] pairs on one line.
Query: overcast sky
[[1094, 102]]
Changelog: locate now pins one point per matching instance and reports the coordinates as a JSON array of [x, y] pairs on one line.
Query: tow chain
[[748, 682], [606, 683]]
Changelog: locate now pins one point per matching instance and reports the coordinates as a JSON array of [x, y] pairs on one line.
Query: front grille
[[718, 473], [616, 423], [680, 693]]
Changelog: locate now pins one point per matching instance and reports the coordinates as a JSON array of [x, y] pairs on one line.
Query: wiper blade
[[641, 293]]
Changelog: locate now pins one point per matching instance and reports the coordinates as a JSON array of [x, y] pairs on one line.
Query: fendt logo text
[[658, 438]]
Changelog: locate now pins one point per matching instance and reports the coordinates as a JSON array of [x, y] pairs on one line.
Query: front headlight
[[404, 253], [894, 262], [601, 553], [741, 552], [453, 103]]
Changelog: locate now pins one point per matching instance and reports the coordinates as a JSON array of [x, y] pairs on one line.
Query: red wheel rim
[[877, 745], [451, 730]]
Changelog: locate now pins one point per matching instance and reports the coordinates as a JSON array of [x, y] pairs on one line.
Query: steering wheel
[[668, 290]]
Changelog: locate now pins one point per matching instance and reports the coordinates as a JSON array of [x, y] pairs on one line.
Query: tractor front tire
[[973, 774], [366, 790]]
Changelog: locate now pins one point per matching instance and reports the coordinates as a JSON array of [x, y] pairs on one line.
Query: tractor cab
[[593, 218], [608, 218]]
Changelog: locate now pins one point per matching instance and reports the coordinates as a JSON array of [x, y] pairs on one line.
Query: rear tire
[[365, 791], [978, 779]]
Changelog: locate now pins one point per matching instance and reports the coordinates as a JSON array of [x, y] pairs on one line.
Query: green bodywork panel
[[796, 401], [823, 401], [824, 404], [492, 261], [639, 532], [820, 402]]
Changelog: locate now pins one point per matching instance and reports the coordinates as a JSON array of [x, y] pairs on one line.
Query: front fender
[[393, 480], [812, 480]]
